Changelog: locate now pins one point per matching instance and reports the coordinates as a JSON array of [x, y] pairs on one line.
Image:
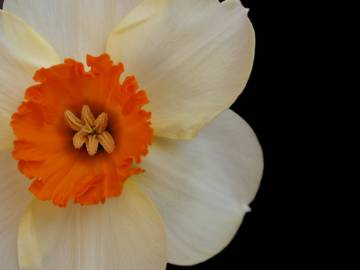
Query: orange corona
[[79, 134]]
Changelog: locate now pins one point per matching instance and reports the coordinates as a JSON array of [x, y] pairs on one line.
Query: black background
[[270, 236]]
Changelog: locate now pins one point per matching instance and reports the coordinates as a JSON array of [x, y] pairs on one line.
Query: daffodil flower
[[118, 148]]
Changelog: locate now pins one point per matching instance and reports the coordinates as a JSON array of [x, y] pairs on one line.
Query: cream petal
[[125, 233], [14, 198], [193, 57], [203, 187], [22, 52], [74, 27], [6, 134]]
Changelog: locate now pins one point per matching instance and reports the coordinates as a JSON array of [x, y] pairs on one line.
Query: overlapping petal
[[14, 198], [74, 27], [125, 233], [22, 52], [203, 187], [193, 57]]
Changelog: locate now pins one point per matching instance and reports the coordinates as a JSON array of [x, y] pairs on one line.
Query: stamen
[[79, 139], [86, 115], [90, 131], [100, 124], [107, 141], [72, 121], [92, 145]]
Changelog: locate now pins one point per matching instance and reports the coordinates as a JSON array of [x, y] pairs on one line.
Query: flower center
[[90, 131], [71, 109]]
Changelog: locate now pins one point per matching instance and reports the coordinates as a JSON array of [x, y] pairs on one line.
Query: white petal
[[193, 57], [14, 198], [203, 187], [22, 52], [125, 233], [74, 27]]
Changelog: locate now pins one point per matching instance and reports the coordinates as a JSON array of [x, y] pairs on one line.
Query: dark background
[[271, 236]]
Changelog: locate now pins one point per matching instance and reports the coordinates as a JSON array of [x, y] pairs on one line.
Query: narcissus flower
[[118, 150]]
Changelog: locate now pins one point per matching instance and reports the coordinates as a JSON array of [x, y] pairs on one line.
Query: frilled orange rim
[[80, 134]]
